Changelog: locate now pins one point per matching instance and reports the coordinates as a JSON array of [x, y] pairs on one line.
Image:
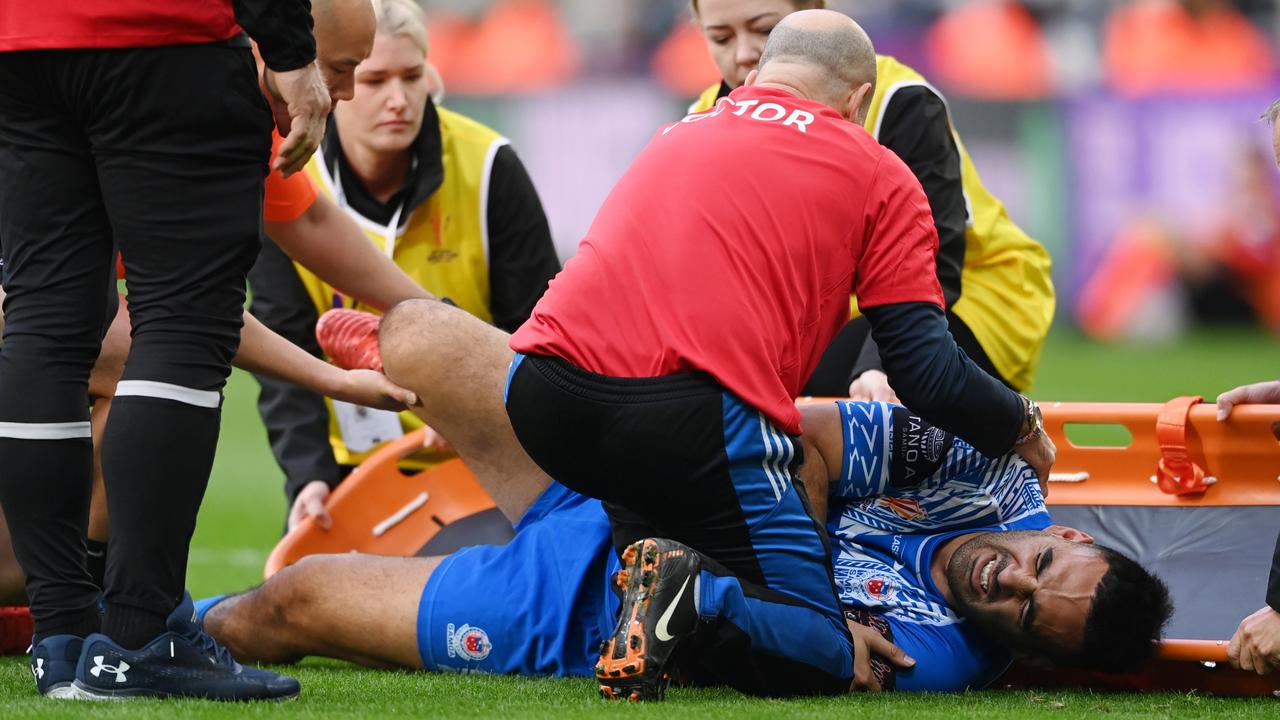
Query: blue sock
[[204, 605]]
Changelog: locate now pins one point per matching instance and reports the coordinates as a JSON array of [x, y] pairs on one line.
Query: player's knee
[[288, 598], [406, 332]]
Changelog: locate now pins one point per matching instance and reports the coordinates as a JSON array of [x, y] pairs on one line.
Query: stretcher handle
[[1193, 650], [1176, 472]]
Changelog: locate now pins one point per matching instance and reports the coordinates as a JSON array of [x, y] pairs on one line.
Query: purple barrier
[[1169, 159]]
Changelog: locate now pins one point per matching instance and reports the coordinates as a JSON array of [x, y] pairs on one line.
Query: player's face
[[736, 31], [1030, 591], [391, 92], [342, 42]]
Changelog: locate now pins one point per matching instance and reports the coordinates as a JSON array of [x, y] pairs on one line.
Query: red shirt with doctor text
[[731, 245]]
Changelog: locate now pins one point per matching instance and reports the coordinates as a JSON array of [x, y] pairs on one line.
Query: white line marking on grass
[[240, 557]]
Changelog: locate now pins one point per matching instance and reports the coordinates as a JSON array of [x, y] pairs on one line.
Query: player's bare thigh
[[457, 364], [362, 608]]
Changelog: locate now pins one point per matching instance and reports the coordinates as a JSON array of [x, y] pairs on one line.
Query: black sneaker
[[53, 665], [659, 580], [184, 662]]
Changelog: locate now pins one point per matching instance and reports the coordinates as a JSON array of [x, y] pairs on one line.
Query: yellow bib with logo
[[442, 244], [1006, 294]]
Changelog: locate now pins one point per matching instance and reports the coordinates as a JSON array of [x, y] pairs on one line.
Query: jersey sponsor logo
[[441, 255], [908, 509], [919, 449], [467, 642]]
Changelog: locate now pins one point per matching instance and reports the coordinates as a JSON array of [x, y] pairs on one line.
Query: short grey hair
[[845, 56], [1272, 113]]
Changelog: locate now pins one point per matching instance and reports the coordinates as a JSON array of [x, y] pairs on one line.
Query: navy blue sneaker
[[184, 662], [53, 665]]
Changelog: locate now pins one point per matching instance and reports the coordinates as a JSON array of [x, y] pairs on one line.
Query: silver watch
[[1033, 424]]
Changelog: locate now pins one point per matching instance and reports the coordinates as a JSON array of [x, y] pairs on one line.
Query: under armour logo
[[98, 667], [38, 669]]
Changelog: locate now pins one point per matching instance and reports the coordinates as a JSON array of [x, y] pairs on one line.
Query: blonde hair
[[405, 18], [797, 4]]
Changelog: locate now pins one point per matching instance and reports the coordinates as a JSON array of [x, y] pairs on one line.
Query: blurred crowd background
[[1123, 134]]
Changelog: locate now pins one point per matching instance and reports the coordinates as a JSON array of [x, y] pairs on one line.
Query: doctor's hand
[[872, 385]]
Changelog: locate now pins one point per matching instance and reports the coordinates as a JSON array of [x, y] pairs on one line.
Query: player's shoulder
[[949, 658]]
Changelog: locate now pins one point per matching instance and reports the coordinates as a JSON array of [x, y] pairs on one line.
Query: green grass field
[[244, 510]]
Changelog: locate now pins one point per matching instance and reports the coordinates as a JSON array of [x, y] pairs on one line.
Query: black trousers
[[162, 153]]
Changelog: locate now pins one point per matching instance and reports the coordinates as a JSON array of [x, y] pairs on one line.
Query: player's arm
[[326, 241], [916, 127], [823, 453], [931, 373], [264, 352], [297, 420], [522, 258]]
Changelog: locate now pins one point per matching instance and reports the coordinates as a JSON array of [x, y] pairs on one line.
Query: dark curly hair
[[1130, 609]]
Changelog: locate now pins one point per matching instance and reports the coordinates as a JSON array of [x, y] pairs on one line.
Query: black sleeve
[[297, 420], [1273, 584], [868, 359], [282, 29], [522, 258], [917, 129], [934, 377]]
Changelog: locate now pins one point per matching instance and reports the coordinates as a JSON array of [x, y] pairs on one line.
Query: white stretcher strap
[[398, 516]]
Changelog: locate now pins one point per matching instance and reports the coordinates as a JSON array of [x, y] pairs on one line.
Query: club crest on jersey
[[467, 642], [906, 508], [880, 588]]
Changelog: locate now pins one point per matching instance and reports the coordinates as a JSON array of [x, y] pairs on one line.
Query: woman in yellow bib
[[443, 196], [995, 279]]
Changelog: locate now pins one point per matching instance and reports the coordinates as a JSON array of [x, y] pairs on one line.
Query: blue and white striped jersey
[[904, 488]]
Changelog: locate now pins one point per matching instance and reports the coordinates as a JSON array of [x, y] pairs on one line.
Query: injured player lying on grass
[[951, 556]]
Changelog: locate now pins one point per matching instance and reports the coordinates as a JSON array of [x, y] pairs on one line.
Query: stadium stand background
[[1087, 117]]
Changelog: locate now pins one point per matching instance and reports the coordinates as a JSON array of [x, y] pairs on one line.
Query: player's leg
[[182, 183], [361, 608], [699, 467], [538, 605], [180, 137], [458, 365], [56, 244]]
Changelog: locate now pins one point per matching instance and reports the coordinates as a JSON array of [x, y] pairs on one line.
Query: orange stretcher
[[1179, 455], [382, 510]]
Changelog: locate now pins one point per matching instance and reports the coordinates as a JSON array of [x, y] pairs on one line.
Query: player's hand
[[1256, 644], [867, 641], [300, 102], [872, 385], [1263, 392], [1039, 452], [372, 389], [435, 442], [310, 503]]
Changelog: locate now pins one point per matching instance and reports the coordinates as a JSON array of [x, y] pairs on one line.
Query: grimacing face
[[391, 94], [1031, 591], [736, 31]]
